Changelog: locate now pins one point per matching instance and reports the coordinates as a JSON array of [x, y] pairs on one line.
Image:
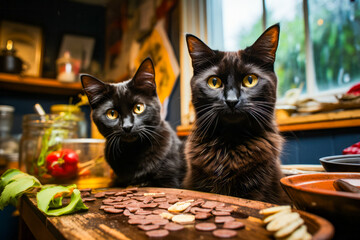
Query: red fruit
[[353, 149], [354, 89], [62, 164]]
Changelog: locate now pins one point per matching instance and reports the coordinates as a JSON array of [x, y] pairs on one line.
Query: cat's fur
[[142, 149], [235, 145]]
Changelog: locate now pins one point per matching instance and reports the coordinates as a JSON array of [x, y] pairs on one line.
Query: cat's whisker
[[145, 135], [152, 132], [262, 115], [257, 120], [148, 134], [205, 122]]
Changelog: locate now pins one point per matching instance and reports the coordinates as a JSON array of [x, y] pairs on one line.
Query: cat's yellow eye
[[139, 108], [250, 80], [112, 114], [214, 82]]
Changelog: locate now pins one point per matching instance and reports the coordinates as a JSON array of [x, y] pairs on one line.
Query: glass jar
[[41, 136], [93, 170], [66, 68], [74, 113], [9, 146]]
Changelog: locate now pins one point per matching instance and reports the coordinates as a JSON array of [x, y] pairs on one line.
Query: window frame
[[203, 25]]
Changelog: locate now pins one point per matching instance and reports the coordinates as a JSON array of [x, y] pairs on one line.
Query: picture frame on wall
[[80, 49], [28, 43]]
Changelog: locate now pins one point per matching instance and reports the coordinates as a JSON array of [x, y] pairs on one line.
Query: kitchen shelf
[[38, 85], [339, 119]]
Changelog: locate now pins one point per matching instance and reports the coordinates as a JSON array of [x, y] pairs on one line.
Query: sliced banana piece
[[269, 218], [285, 225], [287, 230], [273, 210], [179, 206], [183, 219], [299, 234], [281, 221], [167, 215]]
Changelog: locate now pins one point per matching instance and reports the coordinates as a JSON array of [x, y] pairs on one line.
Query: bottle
[[9, 147]]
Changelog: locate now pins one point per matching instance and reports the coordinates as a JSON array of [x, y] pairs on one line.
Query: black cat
[[235, 145], [141, 148]]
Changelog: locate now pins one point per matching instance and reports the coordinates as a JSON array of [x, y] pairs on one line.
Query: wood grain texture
[[338, 119], [96, 224], [38, 85]]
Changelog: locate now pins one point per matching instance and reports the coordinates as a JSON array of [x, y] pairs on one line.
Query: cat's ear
[[144, 78], [266, 45], [199, 51], [93, 87]]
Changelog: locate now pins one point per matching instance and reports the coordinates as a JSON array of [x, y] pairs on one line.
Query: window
[[330, 29], [319, 45], [335, 36]]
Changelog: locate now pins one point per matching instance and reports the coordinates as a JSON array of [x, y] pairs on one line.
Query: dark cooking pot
[[12, 64]]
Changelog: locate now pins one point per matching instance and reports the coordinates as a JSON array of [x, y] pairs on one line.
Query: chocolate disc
[[205, 226], [220, 219], [139, 221], [113, 210], [202, 215], [220, 213], [173, 227], [148, 227], [158, 233], [159, 221], [224, 233], [233, 225]]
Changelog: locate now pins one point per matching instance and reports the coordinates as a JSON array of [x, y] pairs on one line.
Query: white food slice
[[167, 215], [298, 234], [179, 206], [282, 221], [273, 210], [289, 228], [269, 218], [183, 219]]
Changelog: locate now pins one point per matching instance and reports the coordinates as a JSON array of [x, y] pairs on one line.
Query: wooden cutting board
[[96, 224]]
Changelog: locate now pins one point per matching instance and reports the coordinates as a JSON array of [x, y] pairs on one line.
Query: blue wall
[[306, 147]]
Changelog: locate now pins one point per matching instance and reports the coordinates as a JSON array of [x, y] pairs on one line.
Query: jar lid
[[64, 108], [6, 108]]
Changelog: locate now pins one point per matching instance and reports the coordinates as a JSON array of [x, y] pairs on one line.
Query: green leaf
[[15, 183], [52, 197], [7, 176], [16, 187]]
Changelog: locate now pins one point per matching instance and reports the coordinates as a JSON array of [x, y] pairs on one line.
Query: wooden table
[[96, 224]]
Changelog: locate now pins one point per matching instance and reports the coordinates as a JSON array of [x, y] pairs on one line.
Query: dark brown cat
[[141, 147], [235, 145]]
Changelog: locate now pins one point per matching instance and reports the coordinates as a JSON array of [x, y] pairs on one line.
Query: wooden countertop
[[96, 224], [338, 119]]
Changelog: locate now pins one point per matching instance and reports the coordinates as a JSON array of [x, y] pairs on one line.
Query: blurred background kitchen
[[45, 44]]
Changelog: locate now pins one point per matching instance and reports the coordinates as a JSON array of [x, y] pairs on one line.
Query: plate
[[315, 193], [341, 163], [247, 211]]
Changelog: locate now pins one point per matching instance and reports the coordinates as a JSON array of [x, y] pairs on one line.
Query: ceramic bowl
[[316, 194], [341, 163]]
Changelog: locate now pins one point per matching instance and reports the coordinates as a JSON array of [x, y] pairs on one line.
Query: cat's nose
[[231, 98], [127, 128], [231, 103]]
